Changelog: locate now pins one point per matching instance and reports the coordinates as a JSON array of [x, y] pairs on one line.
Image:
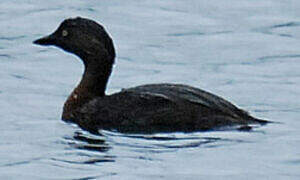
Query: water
[[244, 50]]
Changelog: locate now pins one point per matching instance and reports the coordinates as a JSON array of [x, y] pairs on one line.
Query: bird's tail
[[262, 121]]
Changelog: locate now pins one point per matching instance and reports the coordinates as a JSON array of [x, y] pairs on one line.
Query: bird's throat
[[92, 85]]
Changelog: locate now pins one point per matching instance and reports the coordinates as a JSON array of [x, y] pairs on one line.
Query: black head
[[82, 37]]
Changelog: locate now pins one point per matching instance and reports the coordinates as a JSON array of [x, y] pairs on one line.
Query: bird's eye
[[64, 33]]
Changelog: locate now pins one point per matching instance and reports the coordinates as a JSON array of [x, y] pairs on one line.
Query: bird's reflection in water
[[160, 143], [98, 148], [92, 147], [110, 146]]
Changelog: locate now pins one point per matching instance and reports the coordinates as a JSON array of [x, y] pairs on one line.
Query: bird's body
[[161, 108], [143, 109]]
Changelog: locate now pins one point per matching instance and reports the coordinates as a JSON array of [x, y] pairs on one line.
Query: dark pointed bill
[[47, 40]]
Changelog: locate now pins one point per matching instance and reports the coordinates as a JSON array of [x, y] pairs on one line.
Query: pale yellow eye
[[64, 33]]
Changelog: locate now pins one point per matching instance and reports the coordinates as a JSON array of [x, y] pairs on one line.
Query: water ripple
[[89, 161], [154, 46], [12, 38], [6, 56], [265, 58], [88, 142], [88, 9], [293, 162], [43, 10], [186, 34], [269, 29], [97, 177], [197, 33], [259, 60], [159, 143], [289, 24], [18, 76], [172, 10], [17, 163], [126, 59], [20, 162]]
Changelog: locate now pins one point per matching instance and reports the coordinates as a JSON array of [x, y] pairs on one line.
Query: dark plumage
[[143, 109]]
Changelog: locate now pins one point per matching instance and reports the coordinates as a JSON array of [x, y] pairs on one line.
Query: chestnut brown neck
[[92, 85]]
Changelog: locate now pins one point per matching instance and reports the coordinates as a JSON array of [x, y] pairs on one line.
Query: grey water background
[[247, 51]]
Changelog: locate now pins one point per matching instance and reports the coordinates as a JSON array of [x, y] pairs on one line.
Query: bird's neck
[[92, 85]]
